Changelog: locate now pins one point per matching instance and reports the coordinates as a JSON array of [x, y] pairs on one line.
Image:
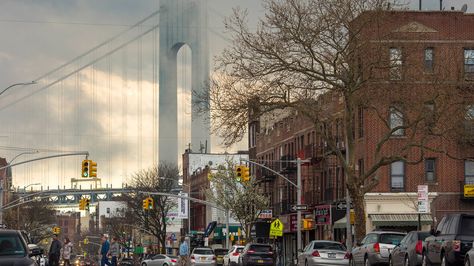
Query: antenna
[[464, 8]]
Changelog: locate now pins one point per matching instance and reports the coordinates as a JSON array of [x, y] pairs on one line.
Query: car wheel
[[143, 264], [166, 264]]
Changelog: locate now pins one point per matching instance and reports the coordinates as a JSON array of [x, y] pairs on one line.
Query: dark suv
[[451, 240], [257, 254], [14, 249]]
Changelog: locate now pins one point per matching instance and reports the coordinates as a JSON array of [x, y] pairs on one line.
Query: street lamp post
[[17, 84], [9, 163]]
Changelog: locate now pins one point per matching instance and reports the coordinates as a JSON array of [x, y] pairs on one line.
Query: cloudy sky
[[109, 107]]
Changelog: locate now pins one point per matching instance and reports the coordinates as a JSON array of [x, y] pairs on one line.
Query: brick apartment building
[[70, 225], [419, 47]]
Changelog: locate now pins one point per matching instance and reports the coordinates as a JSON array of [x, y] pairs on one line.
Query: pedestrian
[[55, 251], [104, 251], [183, 252], [114, 251], [66, 251]]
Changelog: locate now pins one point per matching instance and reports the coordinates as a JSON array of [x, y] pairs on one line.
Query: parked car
[[160, 260], [469, 258], [14, 249], [126, 262], [375, 247], [232, 257], [410, 250], [321, 252], [257, 254], [203, 257], [451, 241], [220, 252]]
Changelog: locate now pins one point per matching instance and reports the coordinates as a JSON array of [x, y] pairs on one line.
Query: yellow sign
[[56, 230], [308, 224], [468, 191], [276, 228], [352, 216]]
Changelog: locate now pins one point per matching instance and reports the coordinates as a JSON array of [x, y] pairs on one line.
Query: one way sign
[[342, 205]]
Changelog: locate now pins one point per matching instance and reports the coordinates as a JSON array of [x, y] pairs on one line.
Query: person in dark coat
[[55, 251]]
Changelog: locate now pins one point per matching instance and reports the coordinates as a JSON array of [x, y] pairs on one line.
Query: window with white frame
[[396, 121], [397, 175], [469, 172], [430, 169], [429, 59], [469, 61], [395, 63]]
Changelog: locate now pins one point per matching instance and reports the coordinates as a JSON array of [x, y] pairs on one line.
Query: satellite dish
[[464, 8]]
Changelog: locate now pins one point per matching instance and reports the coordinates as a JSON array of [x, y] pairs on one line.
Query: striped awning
[[400, 219]]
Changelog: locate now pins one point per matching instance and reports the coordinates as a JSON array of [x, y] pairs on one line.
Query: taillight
[[250, 251], [419, 247], [348, 256], [174, 260], [456, 245], [270, 252], [315, 253], [377, 247], [192, 257], [235, 254], [213, 257]]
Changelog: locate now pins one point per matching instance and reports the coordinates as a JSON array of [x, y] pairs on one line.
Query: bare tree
[[242, 199], [162, 178], [37, 217], [327, 60]]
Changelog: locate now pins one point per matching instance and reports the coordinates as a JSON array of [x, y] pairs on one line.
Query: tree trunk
[[357, 198]]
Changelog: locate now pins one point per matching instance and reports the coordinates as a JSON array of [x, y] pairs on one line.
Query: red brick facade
[[447, 34]]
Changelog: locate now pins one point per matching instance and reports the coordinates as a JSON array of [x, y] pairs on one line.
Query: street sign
[[468, 191], [265, 214], [299, 207], [423, 203], [342, 205], [276, 228], [322, 214]]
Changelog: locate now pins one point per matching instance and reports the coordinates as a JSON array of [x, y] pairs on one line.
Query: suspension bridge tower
[[182, 22]]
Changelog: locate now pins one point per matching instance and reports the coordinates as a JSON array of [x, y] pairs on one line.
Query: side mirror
[[358, 244]]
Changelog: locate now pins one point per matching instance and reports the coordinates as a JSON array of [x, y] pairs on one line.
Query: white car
[[161, 260], [232, 258]]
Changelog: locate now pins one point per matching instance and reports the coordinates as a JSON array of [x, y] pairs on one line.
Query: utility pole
[[298, 202]]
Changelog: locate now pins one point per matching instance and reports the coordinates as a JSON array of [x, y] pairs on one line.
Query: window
[[430, 171], [361, 122], [429, 54], [469, 172], [253, 136], [395, 63], [396, 121], [397, 175], [361, 167], [469, 61]]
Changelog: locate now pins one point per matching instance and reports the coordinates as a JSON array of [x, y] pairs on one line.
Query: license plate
[[332, 255], [203, 258], [259, 261]]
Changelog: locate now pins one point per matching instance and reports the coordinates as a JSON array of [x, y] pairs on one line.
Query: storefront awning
[[399, 219], [340, 224]]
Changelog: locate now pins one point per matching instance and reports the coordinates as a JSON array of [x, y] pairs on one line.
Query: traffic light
[[145, 204], [150, 203], [82, 204], [56, 230], [92, 169], [239, 169], [85, 168], [87, 203], [245, 174]]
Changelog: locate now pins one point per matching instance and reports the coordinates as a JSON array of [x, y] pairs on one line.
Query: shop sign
[[322, 214]]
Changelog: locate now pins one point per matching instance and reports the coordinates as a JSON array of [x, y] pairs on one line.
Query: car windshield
[[329, 245], [467, 226], [261, 248], [423, 235], [239, 250], [391, 238], [203, 251], [220, 251], [11, 245]]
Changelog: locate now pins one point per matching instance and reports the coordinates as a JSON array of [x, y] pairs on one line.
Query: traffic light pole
[[86, 153], [298, 187]]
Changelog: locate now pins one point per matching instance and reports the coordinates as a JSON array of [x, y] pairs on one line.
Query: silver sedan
[[322, 252], [161, 260]]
